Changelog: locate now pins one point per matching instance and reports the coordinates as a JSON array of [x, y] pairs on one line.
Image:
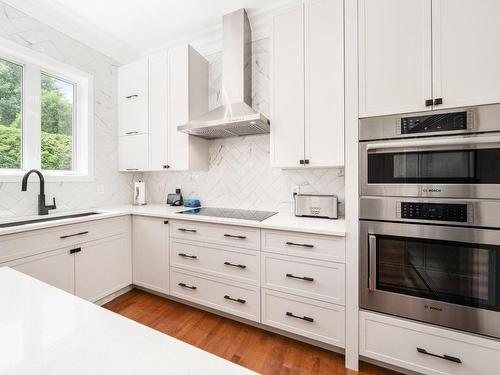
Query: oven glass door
[[466, 274], [462, 166]]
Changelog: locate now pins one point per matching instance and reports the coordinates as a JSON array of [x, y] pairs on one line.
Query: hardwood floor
[[254, 348]]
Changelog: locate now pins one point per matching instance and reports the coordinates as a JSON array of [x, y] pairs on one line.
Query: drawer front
[[304, 245], [236, 236], [320, 280], [236, 264], [20, 245], [224, 295], [310, 318], [395, 341]]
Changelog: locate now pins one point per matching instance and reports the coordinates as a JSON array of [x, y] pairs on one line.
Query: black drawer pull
[[306, 318], [300, 244], [445, 357], [187, 256], [235, 265], [187, 230], [132, 96], [73, 235], [233, 236], [299, 277], [165, 222], [187, 286], [130, 133], [77, 250], [235, 299]]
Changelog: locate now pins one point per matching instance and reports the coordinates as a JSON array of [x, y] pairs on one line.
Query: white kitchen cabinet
[[394, 56], [133, 151], [150, 246], [187, 99], [55, 268], [158, 112], [417, 55], [133, 100], [103, 267], [466, 57], [307, 87]]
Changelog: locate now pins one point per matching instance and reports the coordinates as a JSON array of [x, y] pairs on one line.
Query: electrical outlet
[[100, 189]]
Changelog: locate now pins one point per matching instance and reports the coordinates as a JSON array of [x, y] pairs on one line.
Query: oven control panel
[[435, 211], [436, 123]]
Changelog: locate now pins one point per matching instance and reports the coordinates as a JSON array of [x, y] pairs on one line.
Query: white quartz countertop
[[280, 221], [47, 331]]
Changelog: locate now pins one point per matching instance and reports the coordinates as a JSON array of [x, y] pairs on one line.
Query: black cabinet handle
[[132, 169], [187, 286], [306, 318], [130, 133], [445, 357], [165, 222], [438, 101], [299, 277], [77, 250], [132, 96], [302, 161], [187, 230], [235, 299], [234, 236], [429, 102], [235, 265], [73, 235], [166, 166], [306, 161], [187, 256], [300, 244]]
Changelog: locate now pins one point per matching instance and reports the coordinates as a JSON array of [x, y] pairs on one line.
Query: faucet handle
[[53, 206]]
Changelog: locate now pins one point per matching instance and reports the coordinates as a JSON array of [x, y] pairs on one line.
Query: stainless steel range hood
[[235, 117]]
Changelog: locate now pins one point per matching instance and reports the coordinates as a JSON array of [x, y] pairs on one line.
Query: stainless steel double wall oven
[[430, 217]]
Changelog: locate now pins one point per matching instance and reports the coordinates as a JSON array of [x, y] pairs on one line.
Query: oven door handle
[[434, 142], [372, 250]]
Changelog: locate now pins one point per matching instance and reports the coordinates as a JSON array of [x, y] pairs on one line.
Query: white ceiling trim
[[77, 28]]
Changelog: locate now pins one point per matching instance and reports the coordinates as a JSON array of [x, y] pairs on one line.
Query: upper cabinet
[[307, 85], [417, 55], [156, 95]]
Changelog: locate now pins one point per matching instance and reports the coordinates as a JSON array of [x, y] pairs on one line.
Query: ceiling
[[126, 28]]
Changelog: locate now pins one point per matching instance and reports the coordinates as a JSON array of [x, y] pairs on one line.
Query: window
[[45, 116], [11, 123]]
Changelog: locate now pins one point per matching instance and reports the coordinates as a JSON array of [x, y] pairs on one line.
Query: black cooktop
[[231, 213]]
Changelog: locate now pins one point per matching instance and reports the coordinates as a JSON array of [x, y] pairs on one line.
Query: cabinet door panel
[[324, 128], [287, 69], [133, 152], [158, 107], [150, 253], [394, 56], [466, 53], [103, 267], [55, 268]]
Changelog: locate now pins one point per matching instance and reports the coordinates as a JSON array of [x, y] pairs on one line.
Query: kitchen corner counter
[[48, 331], [280, 221]]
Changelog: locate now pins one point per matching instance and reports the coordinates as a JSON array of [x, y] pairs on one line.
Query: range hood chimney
[[235, 117]]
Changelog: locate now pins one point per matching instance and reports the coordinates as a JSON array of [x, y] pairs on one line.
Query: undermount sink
[[41, 220]]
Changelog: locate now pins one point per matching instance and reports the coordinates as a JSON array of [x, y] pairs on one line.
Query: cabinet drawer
[[309, 278], [236, 264], [235, 236], [228, 296], [19, 245], [314, 319], [304, 245], [395, 341]]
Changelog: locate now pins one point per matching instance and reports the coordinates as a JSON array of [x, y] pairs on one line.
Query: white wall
[[29, 32], [240, 174]]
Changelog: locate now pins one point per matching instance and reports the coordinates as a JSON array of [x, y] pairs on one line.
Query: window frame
[[34, 64]]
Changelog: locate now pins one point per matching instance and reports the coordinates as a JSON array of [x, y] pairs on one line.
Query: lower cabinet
[[103, 267], [221, 294], [317, 320], [150, 253], [424, 348], [55, 268]]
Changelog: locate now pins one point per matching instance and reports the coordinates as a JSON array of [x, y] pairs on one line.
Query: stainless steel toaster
[[316, 205]]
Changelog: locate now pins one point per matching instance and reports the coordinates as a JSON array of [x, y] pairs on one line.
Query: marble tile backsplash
[[109, 186], [240, 175]]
